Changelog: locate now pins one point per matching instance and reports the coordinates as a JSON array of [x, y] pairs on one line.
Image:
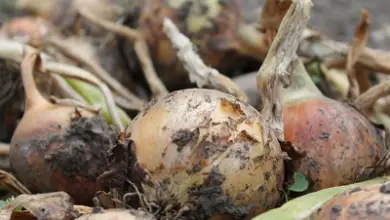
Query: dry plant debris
[[199, 73], [358, 44], [140, 47], [50, 206], [274, 74]]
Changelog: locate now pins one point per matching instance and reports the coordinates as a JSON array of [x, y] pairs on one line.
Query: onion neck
[[302, 86], [32, 95]]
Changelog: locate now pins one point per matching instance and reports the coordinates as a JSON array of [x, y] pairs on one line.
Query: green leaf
[[19, 208], [93, 95], [300, 183]]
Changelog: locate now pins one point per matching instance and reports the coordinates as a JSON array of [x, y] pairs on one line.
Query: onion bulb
[[369, 202], [339, 140], [57, 147], [206, 150]]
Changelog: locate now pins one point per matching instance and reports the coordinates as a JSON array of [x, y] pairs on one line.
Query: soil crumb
[[210, 200], [88, 141]]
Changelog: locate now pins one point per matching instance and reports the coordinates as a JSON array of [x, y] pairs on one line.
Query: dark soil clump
[[210, 200], [88, 140], [69, 160]]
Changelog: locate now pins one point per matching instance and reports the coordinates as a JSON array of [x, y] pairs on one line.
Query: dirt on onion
[[206, 151], [338, 139], [58, 147]]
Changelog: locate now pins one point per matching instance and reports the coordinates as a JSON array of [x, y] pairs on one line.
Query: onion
[[206, 150], [58, 148], [338, 139], [369, 202]]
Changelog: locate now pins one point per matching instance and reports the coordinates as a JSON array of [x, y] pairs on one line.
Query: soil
[[210, 199], [70, 160]]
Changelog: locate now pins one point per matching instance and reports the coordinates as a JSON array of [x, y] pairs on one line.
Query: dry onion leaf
[[9, 182], [203, 75], [48, 206], [357, 46], [117, 214], [271, 16]]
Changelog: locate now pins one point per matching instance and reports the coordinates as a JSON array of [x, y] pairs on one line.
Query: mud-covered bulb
[[206, 150], [57, 147], [369, 202], [339, 140]]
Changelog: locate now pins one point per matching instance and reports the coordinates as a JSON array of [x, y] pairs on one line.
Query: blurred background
[[335, 18]]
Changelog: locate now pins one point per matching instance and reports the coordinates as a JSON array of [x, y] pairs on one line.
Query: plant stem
[[140, 47], [279, 62], [77, 73], [99, 71], [368, 99], [301, 85], [32, 94], [199, 72], [14, 51]]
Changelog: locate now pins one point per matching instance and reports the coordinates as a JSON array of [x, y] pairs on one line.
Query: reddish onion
[[338, 139], [56, 147]]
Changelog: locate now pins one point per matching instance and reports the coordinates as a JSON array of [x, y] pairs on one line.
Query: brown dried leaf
[[199, 72], [358, 44], [117, 214], [376, 60], [359, 41], [47, 206], [10, 183], [271, 16], [368, 99]]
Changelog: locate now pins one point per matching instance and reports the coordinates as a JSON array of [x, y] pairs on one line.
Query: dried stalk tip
[[368, 99], [358, 44], [280, 62], [199, 73]]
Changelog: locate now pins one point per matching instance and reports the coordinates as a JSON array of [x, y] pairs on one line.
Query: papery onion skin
[[338, 139], [54, 150], [370, 202], [203, 146]]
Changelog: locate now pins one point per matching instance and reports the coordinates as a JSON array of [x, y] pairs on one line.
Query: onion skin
[[338, 139], [200, 140], [41, 153], [56, 147], [370, 202]]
